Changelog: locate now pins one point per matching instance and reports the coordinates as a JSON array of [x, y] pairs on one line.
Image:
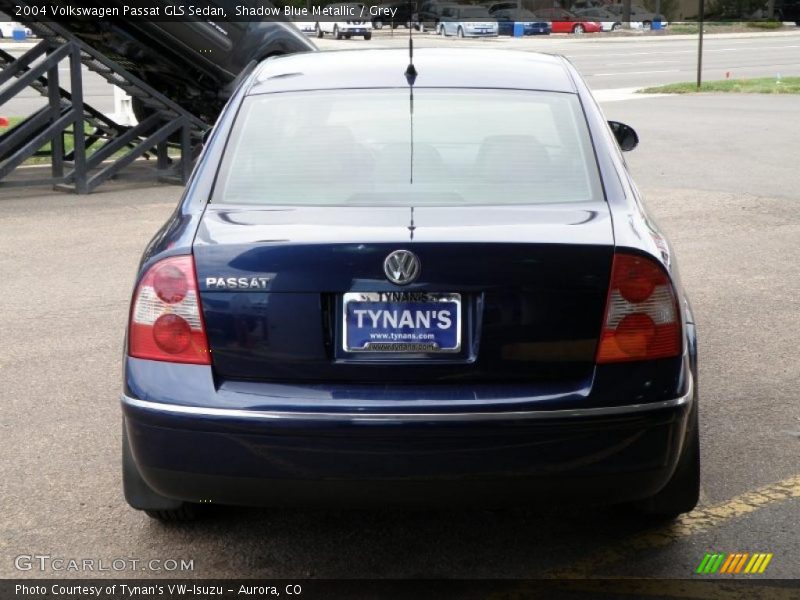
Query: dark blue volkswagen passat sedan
[[390, 283]]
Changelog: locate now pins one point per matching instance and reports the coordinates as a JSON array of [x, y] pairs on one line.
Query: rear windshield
[[348, 147]]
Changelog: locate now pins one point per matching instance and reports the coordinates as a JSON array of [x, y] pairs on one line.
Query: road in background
[[633, 61], [719, 176], [606, 62]]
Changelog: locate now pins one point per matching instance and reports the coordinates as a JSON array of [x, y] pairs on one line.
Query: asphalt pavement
[[719, 174]]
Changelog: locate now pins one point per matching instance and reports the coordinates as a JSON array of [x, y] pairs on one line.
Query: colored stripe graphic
[[713, 564], [734, 564], [764, 564], [730, 565], [741, 562], [754, 563], [727, 564], [702, 567]]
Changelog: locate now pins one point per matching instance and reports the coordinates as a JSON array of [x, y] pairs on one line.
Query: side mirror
[[625, 134]]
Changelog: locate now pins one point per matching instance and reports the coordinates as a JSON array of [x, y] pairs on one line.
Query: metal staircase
[[101, 147]]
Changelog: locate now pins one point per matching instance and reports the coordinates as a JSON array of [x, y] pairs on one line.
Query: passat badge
[[401, 267], [237, 283]]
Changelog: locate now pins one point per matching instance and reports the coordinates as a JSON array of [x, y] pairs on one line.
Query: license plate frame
[[400, 301]]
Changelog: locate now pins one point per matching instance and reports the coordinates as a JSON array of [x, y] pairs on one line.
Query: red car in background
[[564, 21]]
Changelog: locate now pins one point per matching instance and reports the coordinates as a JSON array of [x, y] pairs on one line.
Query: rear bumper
[[359, 29], [263, 457]]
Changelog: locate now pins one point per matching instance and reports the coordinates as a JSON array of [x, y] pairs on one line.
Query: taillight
[[166, 322], [642, 321]]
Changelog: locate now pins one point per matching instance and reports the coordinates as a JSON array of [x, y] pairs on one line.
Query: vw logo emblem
[[401, 267]]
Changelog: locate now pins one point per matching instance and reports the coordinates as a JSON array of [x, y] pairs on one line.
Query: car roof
[[436, 67]]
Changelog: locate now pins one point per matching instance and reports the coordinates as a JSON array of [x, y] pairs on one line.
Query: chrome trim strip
[[201, 411]]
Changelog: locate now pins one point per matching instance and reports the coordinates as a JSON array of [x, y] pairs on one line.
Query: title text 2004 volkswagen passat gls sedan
[[427, 284]]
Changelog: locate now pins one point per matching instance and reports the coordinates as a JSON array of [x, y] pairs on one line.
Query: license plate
[[410, 322]]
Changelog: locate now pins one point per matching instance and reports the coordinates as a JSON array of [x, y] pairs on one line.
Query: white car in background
[[308, 27], [608, 20], [466, 21], [7, 29], [639, 16], [357, 25]]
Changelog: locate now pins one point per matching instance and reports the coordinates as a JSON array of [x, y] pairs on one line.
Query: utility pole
[[700, 20], [626, 14]]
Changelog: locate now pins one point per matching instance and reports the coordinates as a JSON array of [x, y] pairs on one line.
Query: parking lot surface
[[720, 178]]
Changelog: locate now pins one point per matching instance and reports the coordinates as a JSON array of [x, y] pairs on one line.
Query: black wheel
[[578, 28], [460, 32], [682, 491], [347, 36], [378, 24], [336, 33], [647, 25], [616, 27], [441, 31], [140, 111], [141, 496], [319, 31], [368, 36]]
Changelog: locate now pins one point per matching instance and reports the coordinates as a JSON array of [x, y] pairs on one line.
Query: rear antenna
[[411, 77], [411, 72]]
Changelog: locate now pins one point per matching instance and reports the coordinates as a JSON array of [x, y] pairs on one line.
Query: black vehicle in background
[[194, 61], [788, 10]]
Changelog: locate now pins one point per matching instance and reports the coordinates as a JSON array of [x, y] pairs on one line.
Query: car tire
[[320, 33], [336, 33], [682, 491], [180, 515], [141, 496], [378, 25], [616, 27], [140, 111], [578, 29], [347, 36], [647, 25], [368, 36], [460, 33], [441, 31]]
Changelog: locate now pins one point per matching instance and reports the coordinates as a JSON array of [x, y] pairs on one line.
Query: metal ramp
[[100, 148]]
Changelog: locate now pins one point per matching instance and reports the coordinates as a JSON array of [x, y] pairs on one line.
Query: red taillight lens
[[170, 284], [642, 321], [166, 321]]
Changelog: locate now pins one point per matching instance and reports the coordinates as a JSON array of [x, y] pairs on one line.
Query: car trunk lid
[[531, 282]]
